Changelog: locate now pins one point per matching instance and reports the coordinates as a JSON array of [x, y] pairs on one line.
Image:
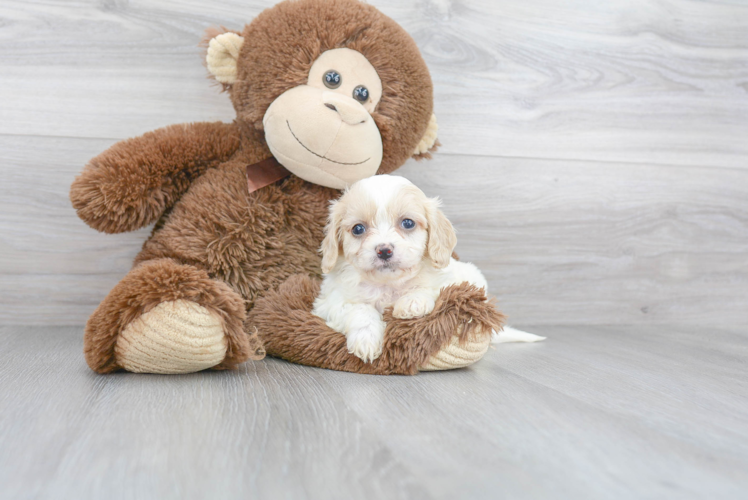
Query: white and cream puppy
[[386, 245]]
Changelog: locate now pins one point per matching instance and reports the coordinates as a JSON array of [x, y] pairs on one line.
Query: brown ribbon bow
[[264, 173]]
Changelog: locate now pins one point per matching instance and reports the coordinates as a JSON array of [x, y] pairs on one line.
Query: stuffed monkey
[[326, 92]]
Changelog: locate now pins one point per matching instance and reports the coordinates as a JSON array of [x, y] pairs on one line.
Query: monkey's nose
[[350, 111], [384, 252]]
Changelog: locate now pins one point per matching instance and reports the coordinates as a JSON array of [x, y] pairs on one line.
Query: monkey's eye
[[361, 93], [332, 79], [408, 224], [358, 230]]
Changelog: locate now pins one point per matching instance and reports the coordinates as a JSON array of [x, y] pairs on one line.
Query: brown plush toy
[[326, 92]]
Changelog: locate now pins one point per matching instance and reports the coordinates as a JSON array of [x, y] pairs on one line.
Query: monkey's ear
[[428, 142], [223, 53]]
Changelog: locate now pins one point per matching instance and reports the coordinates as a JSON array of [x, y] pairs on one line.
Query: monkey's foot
[[173, 337], [458, 355], [456, 334], [166, 317]]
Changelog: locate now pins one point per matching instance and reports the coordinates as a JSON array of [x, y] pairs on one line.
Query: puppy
[[386, 245]]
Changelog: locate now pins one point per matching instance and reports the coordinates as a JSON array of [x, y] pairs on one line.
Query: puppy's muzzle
[[384, 252]]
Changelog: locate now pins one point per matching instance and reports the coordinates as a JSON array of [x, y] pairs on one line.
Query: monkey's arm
[[132, 183], [288, 329]]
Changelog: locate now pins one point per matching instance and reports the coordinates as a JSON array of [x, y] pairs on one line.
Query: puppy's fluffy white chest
[[380, 296], [347, 285]]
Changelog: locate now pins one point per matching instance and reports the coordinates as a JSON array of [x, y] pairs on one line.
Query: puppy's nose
[[384, 252]]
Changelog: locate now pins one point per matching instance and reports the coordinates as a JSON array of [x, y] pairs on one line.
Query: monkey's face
[[339, 90], [323, 131]]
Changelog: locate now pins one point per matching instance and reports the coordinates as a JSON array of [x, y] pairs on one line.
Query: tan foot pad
[[454, 355], [174, 337]]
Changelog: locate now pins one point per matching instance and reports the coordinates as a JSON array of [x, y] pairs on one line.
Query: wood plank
[[39, 230], [629, 81], [600, 243], [620, 81], [266, 431], [593, 412], [561, 242]]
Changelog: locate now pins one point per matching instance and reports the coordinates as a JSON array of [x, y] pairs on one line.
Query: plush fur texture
[[164, 280], [218, 245], [288, 329], [135, 181]]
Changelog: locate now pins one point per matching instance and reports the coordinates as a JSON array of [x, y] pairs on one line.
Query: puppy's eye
[[358, 230], [361, 93], [408, 224], [332, 79]]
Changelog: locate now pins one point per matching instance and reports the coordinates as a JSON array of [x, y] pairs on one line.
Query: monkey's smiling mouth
[[318, 155]]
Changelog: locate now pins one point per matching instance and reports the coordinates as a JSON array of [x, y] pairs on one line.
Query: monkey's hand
[[131, 184], [455, 334]]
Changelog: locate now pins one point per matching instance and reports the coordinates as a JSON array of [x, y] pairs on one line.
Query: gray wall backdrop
[[594, 159]]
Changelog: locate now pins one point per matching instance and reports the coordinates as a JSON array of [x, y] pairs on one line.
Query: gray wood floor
[[594, 412]]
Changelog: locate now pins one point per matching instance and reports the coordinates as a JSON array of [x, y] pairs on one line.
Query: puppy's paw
[[413, 306], [366, 342]]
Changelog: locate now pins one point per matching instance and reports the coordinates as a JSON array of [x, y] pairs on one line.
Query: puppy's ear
[[331, 244], [442, 237]]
